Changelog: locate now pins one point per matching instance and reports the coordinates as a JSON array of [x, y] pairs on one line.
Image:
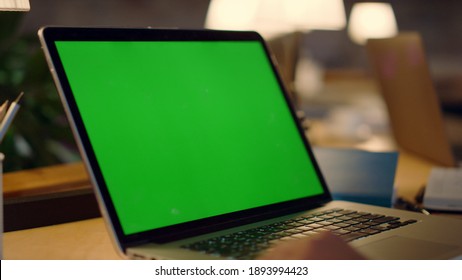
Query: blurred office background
[[332, 85]]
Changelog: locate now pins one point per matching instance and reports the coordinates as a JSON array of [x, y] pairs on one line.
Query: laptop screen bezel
[[50, 35]]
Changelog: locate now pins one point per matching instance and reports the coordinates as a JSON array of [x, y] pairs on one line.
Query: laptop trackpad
[[399, 247]]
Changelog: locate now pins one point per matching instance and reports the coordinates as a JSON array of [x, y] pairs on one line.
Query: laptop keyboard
[[348, 224]]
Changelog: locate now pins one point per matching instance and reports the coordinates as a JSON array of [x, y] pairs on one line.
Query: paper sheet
[[444, 189]]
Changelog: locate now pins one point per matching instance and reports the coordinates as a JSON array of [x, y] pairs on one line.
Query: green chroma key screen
[[187, 130]]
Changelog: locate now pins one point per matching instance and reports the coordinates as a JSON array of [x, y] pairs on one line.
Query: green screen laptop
[[189, 135]]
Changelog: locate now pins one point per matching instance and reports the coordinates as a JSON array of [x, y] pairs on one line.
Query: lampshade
[[275, 17], [14, 5], [315, 14], [231, 14], [371, 20]]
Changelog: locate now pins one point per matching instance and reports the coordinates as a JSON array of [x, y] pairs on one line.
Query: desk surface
[[80, 240], [89, 239]]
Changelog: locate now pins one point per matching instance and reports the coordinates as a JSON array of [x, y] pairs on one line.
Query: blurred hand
[[323, 246]]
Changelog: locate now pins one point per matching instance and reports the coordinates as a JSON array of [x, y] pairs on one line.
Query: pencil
[[3, 109], [9, 116]]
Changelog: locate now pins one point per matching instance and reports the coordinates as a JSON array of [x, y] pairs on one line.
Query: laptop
[[195, 152], [400, 67]]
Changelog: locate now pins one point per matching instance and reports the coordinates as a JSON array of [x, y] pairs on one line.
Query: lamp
[[14, 5], [371, 20], [275, 17], [316, 14]]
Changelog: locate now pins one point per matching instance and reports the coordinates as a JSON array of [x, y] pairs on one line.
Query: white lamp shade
[[14, 5], [232, 15], [271, 17], [316, 14], [371, 20]]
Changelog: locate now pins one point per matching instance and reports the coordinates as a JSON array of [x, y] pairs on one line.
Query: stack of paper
[[444, 189]]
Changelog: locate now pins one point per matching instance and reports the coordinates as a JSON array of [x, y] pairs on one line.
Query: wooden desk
[[47, 196], [80, 240], [45, 180], [89, 239]]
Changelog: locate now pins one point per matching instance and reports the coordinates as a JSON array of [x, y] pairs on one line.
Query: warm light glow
[[14, 5], [274, 17], [371, 20], [234, 14], [316, 14]]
